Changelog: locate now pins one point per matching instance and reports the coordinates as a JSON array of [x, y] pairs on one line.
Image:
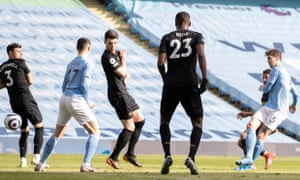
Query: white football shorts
[[73, 107], [270, 117]]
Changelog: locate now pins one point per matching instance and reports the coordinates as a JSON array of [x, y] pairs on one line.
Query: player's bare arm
[[29, 78], [202, 60], [91, 105], [202, 64], [1, 85], [161, 65], [244, 114], [122, 72], [292, 109]]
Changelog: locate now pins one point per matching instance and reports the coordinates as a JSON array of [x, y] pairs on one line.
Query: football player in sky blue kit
[[74, 103], [274, 112]]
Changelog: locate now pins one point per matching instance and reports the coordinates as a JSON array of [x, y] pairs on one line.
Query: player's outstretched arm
[[244, 114], [1, 84]]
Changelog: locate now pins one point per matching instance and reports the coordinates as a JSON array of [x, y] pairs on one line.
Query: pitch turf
[[66, 167]]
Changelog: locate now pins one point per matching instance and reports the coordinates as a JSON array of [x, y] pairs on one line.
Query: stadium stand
[[237, 33], [48, 31]]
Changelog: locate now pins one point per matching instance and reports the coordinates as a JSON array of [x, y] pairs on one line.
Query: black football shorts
[[124, 106], [188, 97]]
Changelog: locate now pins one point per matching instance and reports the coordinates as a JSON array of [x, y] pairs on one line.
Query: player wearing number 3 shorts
[[16, 77], [180, 49]]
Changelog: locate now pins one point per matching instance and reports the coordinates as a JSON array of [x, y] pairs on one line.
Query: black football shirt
[[13, 75], [180, 47], [110, 62]]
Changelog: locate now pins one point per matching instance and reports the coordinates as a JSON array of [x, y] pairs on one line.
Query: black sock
[[38, 140], [134, 138], [244, 146], [165, 135], [121, 143], [262, 153], [23, 144], [195, 141]]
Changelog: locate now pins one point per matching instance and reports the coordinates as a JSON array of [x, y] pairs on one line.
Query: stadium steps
[[118, 22], [233, 97]]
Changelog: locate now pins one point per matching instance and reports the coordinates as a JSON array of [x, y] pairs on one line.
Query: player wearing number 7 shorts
[[74, 103]]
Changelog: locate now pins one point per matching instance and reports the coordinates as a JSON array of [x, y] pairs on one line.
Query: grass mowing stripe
[[66, 166]]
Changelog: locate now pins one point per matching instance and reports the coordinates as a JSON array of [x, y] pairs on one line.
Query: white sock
[[37, 156], [23, 160], [86, 164]]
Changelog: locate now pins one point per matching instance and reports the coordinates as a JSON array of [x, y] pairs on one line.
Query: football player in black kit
[[180, 49], [16, 77], [128, 111]]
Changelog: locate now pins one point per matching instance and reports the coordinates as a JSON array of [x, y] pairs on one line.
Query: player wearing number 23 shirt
[[180, 50]]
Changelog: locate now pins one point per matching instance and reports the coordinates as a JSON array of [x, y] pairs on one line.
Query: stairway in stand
[[116, 21]]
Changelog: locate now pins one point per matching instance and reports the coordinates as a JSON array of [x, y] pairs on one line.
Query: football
[[12, 121]]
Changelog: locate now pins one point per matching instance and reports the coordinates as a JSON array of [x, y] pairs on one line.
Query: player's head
[[274, 57], [14, 51], [83, 45], [266, 75], [182, 20], [111, 38]]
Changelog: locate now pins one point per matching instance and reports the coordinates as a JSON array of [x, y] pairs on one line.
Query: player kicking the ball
[[269, 116], [268, 155]]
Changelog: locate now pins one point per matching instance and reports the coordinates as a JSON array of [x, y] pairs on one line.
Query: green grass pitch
[[66, 167]]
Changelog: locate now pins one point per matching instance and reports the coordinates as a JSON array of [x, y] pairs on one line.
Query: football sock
[[257, 149], [121, 143], [135, 137], [38, 140], [165, 135], [23, 144], [48, 148], [195, 141], [90, 147], [23, 160], [243, 142], [250, 142], [262, 153]]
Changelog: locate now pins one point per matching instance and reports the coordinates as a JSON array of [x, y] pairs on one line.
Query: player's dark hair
[[266, 71], [111, 34], [12, 46], [82, 43], [274, 53], [182, 18]]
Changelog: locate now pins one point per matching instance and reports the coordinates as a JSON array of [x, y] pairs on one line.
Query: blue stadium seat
[[237, 33], [48, 33]]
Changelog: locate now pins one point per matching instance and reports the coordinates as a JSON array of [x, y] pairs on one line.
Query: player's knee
[[250, 125], [197, 122], [96, 132], [25, 129], [261, 136], [38, 125], [130, 128]]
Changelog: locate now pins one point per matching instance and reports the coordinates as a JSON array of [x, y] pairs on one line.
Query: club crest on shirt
[[113, 62]]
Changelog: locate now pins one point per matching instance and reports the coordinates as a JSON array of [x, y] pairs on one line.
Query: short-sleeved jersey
[[180, 47], [116, 84], [13, 75], [279, 87], [77, 78]]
